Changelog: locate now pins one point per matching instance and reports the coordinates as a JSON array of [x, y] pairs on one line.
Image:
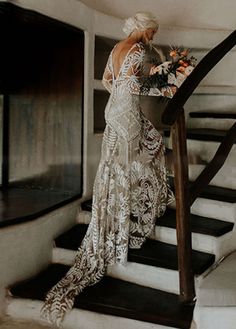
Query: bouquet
[[169, 75]]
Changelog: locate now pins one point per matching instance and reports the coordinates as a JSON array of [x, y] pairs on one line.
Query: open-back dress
[[130, 190]]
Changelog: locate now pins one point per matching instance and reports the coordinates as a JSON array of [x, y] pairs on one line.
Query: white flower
[[172, 79], [164, 67], [161, 69], [180, 79], [188, 70]]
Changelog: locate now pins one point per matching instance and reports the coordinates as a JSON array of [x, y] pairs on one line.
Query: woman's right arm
[[134, 72]]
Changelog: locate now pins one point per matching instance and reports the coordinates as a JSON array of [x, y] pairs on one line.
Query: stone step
[[215, 202], [217, 193], [200, 224], [151, 276], [153, 252], [112, 297], [154, 265], [215, 209], [208, 234], [145, 275], [28, 310]]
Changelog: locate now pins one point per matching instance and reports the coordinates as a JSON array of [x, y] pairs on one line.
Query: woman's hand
[[169, 91], [161, 69], [154, 70]]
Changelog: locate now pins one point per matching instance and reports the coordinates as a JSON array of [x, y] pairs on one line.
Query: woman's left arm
[[107, 78]]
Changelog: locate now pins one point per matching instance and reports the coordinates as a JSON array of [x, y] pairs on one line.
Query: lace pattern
[[130, 189]]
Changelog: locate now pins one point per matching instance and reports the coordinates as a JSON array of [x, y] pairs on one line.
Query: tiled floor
[[6, 323]]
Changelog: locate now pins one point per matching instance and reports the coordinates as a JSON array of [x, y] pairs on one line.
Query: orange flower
[[154, 70], [173, 53], [181, 69], [185, 52], [185, 64]]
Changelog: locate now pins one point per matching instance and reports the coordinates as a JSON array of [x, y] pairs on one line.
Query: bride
[[130, 189]]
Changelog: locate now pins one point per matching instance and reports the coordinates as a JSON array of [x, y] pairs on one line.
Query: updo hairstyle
[[141, 21]]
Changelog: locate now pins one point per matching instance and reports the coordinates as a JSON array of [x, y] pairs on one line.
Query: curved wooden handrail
[[174, 115], [214, 166], [175, 105]]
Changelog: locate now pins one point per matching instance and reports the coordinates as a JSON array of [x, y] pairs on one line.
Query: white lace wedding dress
[[130, 189]]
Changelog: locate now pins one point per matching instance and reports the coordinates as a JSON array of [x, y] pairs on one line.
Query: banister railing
[[175, 105], [183, 219], [173, 115]]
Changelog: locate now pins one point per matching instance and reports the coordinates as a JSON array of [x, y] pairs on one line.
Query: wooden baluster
[[183, 221]]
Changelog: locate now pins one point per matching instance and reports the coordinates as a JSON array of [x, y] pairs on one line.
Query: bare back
[[118, 55]]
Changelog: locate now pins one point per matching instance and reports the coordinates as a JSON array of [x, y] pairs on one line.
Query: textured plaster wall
[[27, 248], [189, 14]]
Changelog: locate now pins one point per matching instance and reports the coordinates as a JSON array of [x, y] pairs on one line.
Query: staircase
[[144, 294]]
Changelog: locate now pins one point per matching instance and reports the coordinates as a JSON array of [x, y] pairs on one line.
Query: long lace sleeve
[[137, 71], [107, 78]]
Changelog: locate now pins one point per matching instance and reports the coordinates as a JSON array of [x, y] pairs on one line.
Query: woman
[[130, 189]]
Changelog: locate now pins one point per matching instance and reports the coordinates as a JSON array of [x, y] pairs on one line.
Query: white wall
[[27, 248], [205, 14]]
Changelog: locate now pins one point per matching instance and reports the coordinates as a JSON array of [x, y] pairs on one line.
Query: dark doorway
[[41, 80]]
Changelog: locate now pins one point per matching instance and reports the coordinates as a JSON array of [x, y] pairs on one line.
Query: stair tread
[[217, 115], [200, 224], [153, 253], [214, 192], [219, 193], [114, 297], [203, 134]]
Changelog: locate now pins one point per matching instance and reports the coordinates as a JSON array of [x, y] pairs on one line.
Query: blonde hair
[[140, 21]]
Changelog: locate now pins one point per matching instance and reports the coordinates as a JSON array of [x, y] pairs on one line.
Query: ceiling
[[205, 14]]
